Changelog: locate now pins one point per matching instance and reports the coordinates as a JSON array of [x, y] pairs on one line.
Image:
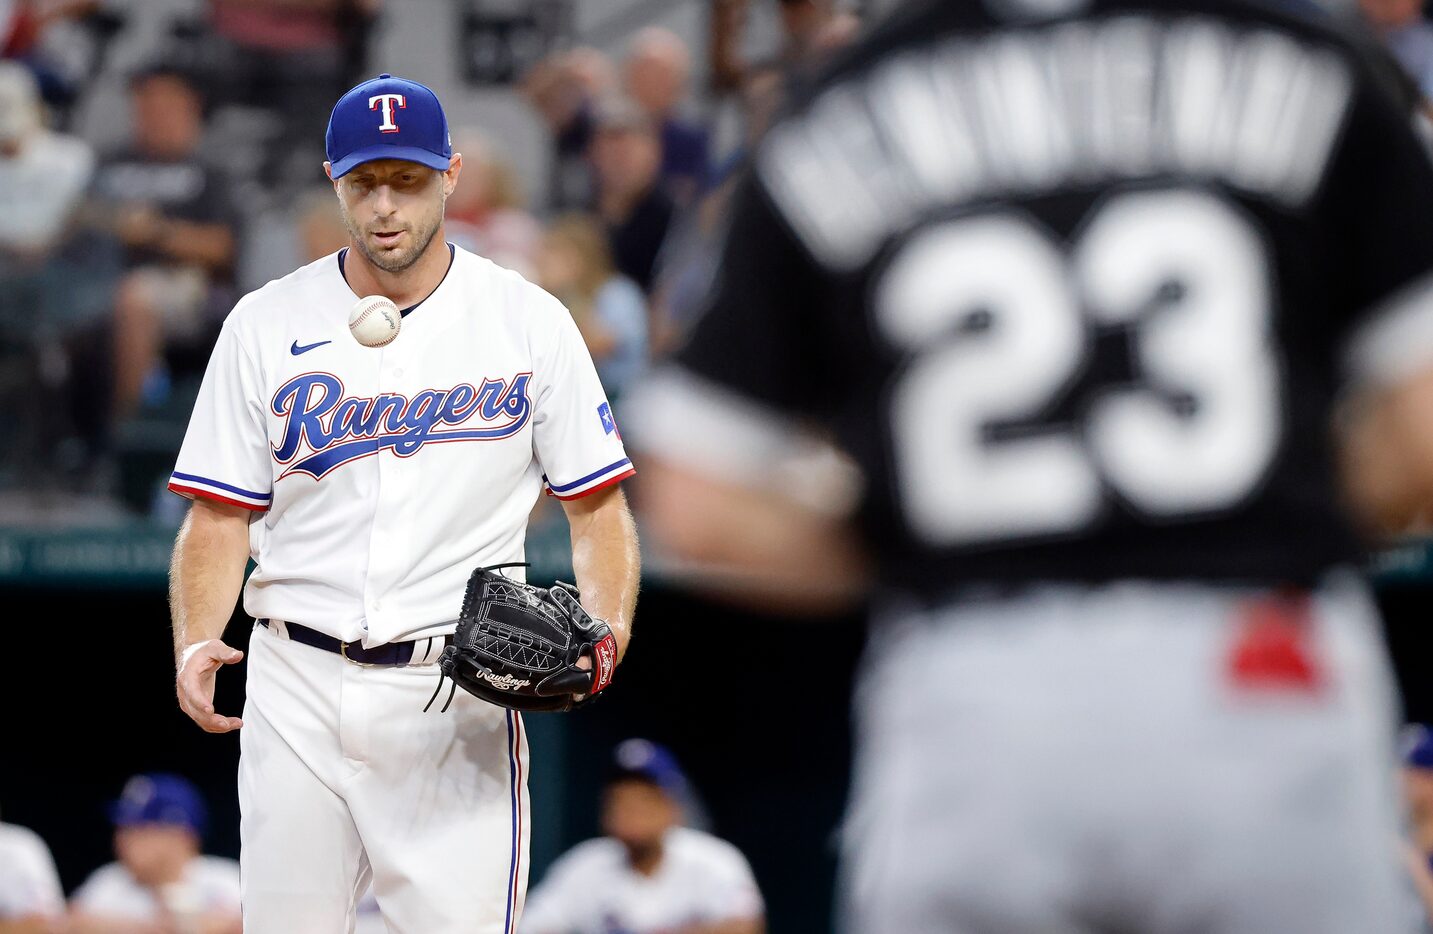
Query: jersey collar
[[452, 256]]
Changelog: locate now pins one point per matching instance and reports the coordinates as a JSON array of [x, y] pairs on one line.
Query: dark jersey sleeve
[[1378, 207], [761, 334]]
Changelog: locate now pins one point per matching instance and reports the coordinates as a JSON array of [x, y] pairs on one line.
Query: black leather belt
[[392, 653]]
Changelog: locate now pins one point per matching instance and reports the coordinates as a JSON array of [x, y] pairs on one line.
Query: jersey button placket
[[387, 539]]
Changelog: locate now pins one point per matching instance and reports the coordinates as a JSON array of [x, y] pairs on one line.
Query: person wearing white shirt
[[649, 874], [160, 883], [43, 174], [31, 900]]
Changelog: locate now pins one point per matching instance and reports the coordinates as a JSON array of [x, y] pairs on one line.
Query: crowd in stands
[[121, 262]]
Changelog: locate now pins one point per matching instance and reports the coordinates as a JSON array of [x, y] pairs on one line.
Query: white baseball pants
[[1130, 758], [343, 777]]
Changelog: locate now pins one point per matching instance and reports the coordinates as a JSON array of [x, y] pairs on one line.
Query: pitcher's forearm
[[206, 572], [606, 560]]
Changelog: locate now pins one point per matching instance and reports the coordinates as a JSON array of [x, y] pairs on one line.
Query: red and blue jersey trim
[[192, 485], [597, 480], [515, 788]]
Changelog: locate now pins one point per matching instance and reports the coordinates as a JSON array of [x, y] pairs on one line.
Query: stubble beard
[[394, 261]]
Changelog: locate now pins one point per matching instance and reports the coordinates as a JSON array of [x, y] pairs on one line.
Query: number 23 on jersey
[[1184, 270]]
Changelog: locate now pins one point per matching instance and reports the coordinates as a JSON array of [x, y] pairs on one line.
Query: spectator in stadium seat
[[561, 89], [160, 882], [172, 212], [43, 176], [56, 295], [575, 264], [656, 73], [649, 873], [487, 213], [1407, 35], [626, 156]]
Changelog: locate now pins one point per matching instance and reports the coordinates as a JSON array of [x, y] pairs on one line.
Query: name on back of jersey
[[1036, 109]]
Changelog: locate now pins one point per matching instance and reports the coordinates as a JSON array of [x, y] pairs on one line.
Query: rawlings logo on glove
[[518, 646], [504, 682]]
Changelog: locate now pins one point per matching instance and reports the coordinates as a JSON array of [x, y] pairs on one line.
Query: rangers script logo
[[324, 428], [504, 682]]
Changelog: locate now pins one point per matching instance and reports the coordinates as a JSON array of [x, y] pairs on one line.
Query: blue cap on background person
[[388, 118], [646, 761], [160, 798]]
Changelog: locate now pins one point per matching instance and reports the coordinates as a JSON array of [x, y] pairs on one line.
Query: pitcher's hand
[[194, 684]]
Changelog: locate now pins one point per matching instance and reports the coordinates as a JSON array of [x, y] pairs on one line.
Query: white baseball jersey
[[380, 477], [29, 884], [210, 886], [593, 889]]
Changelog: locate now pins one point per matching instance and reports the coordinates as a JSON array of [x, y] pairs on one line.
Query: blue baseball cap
[[645, 760], [388, 118], [1416, 746], [160, 798]]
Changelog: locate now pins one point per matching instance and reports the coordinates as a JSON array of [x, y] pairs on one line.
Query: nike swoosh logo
[[296, 349]]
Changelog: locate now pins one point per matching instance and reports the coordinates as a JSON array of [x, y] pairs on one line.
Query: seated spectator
[[562, 88], [486, 213], [64, 42], [649, 874], [172, 212], [160, 881], [56, 295], [31, 900], [657, 68], [1407, 35], [43, 177], [575, 265], [626, 160]]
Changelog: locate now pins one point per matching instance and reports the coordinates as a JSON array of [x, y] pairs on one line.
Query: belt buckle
[[343, 650]]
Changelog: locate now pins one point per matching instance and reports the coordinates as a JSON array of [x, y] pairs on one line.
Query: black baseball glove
[[518, 645]]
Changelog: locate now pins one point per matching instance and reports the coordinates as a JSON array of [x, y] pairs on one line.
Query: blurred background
[[159, 158]]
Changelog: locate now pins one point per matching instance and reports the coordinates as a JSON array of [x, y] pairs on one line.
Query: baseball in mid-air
[[374, 321]]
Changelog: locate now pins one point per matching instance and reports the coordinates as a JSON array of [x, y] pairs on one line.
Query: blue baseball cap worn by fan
[[160, 798], [388, 118]]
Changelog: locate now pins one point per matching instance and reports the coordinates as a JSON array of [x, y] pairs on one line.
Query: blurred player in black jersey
[[1078, 289]]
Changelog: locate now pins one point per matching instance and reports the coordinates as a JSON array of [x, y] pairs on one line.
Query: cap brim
[[432, 160]]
